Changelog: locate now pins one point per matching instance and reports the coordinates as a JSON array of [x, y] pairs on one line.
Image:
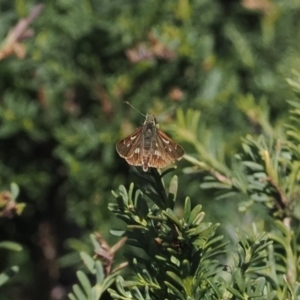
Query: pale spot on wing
[[133, 137], [137, 150], [165, 141], [156, 152]]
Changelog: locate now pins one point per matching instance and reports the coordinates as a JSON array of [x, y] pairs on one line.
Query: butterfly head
[[150, 120]]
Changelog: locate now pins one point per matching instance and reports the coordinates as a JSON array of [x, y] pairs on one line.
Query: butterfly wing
[[172, 149], [165, 151], [130, 148]]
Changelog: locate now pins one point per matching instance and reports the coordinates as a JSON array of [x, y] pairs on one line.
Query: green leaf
[[235, 292], [79, 293], [253, 165], [194, 213], [141, 206], [136, 293], [170, 214], [259, 286], [11, 246], [100, 276], [199, 218], [120, 282], [72, 297], [215, 288], [88, 261], [173, 187], [14, 188], [187, 208], [294, 84], [160, 258], [205, 229], [240, 281], [175, 291], [175, 278], [225, 195], [97, 291], [8, 274], [186, 267], [116, 232], [85, 284], [123, 193], [114, 194], [214, 185], [293, 103]]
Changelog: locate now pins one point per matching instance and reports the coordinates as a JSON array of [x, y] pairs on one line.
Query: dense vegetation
[[222, 79]]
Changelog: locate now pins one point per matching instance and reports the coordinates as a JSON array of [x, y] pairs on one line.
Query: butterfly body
[[148, 146]]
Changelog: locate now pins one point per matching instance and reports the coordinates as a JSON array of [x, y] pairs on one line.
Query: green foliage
[[180, 251], [63, 82], [9, 208], [266, 171], [102, 271], [179, 255]]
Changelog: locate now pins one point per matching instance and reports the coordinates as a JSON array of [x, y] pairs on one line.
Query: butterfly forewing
[[127, 146], [172, 149], [148, 146]]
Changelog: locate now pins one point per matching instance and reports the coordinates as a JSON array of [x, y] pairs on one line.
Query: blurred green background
[[62, 110]]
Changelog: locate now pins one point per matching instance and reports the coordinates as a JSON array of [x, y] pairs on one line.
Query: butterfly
[[150, 147]]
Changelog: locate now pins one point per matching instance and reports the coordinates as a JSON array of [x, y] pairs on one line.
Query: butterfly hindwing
[[165, 151], [171, 149]]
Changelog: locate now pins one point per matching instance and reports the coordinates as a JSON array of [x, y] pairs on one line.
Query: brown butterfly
[[148, 146]]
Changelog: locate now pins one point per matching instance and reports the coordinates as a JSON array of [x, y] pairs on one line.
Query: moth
[[149, 147]]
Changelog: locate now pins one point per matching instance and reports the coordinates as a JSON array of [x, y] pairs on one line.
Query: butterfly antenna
[[167, 112], [134, 108]]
